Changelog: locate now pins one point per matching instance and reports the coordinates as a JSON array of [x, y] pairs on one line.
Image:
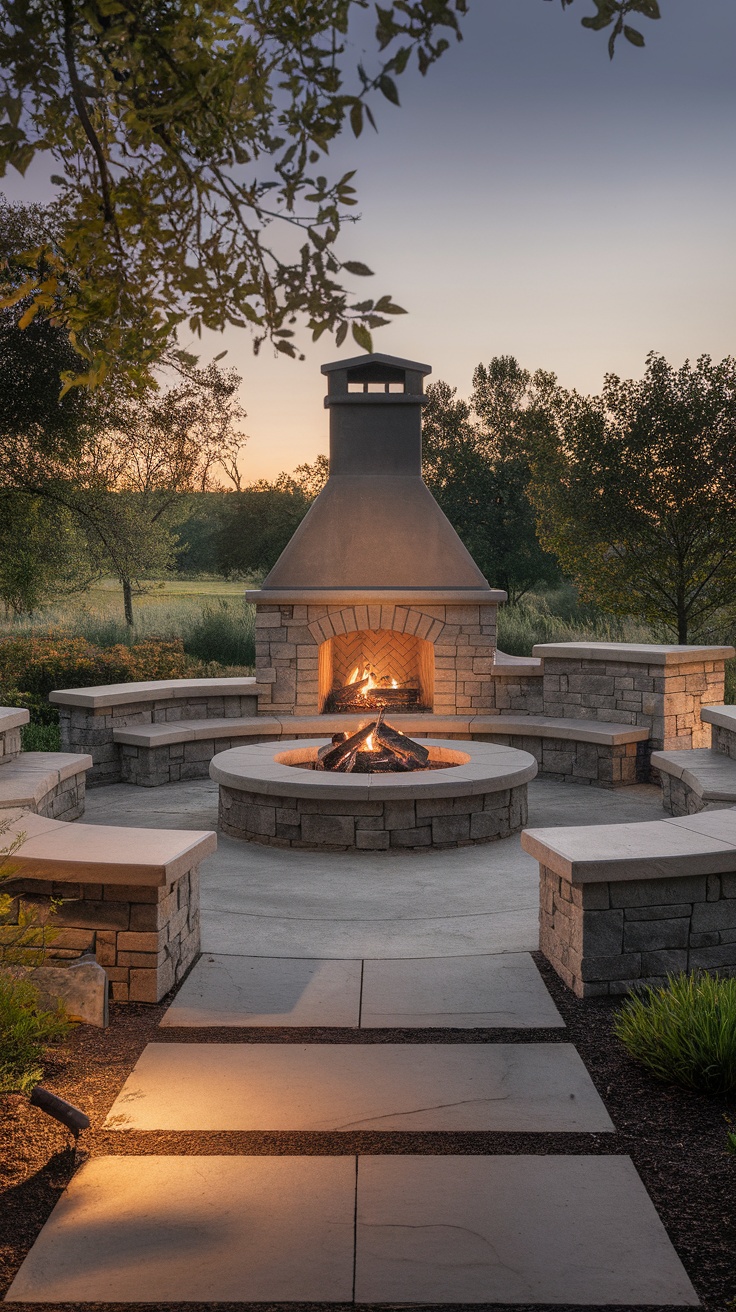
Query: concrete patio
[[272, 902]]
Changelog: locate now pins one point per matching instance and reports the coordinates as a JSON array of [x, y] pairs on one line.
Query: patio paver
[[264, 1086], [259, 991], [491, 991], [572, 1230], [188, 1229]]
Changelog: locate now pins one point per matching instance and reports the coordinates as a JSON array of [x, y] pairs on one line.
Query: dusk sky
[[530, 198]]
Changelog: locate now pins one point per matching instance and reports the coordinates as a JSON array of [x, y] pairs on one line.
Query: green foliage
[[42, 553], [684, 1033], [41, 738], [225, 633], [635, 491], [546, 618], [613, 13], [257, 524], [26, 1031], [182, 134], [32, 667], [476, 466]]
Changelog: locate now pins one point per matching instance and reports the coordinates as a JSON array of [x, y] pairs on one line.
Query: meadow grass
[[211, 616]]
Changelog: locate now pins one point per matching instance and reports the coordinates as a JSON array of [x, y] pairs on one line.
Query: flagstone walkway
[[385, 1227]]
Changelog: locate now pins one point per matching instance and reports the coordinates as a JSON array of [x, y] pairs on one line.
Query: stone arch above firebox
[[402, 619]]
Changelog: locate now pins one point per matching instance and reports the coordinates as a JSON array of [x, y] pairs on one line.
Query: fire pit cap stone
[[486, 767]]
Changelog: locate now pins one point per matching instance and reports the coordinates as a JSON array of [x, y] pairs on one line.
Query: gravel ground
[[677, 1140]]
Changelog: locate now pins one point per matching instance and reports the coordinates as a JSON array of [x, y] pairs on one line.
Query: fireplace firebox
[[375, 602]]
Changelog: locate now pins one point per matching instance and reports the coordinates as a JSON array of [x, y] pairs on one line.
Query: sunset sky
[[530, 198]]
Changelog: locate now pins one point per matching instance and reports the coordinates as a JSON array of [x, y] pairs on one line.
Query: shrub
[[26, 1030], [31, 667], [41, 738], [223, 633], [685, 1032]]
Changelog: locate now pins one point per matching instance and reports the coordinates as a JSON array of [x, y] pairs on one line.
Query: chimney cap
[[374, 361]]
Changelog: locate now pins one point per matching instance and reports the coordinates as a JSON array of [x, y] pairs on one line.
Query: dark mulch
[[677, 1140]]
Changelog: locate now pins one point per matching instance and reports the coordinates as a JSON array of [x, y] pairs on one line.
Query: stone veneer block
[[177, 1230], [261, 1086], [88, 717], [576, 1230], [696, 780], [51, 784], [273, 991]]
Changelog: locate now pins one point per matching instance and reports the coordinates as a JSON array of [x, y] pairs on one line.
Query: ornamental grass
[[685, 1032]]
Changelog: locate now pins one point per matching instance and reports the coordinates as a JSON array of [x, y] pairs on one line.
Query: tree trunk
[[128, 602]]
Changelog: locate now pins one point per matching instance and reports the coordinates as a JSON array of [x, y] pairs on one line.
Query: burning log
[[350, 691], [404, 747], [335, 755]]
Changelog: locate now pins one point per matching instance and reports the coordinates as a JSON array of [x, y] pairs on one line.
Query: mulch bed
[[677, 1140]]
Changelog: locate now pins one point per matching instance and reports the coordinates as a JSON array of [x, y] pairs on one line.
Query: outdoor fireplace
[[375, 602]]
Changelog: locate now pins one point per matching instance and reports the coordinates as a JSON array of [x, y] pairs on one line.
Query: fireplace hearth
[[375, 604]]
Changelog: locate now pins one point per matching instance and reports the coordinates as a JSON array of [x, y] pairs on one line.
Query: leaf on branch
[[388, 87], [341, 334], [362, 336], [356, 118], [358, 269], [633, 36]]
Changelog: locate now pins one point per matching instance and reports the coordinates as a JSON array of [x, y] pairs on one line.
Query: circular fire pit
[[471, 793]]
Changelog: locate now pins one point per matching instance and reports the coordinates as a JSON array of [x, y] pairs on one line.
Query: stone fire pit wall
[[288, 639], [268, 796]]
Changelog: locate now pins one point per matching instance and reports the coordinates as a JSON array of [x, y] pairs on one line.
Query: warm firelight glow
[[368, 745]]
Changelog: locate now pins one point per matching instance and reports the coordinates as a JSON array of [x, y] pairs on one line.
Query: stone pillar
[[652, 686]]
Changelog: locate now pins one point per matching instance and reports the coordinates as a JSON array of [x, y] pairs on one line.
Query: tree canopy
[[475, 464], [190, 141], [635, 491]]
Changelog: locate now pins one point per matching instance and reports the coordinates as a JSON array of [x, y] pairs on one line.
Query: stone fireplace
[[375, 600]]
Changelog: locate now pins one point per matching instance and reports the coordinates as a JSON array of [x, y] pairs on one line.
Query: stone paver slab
[[189, 1229], [501, 990], [464, 1086], [571, 1230], [252, 991]]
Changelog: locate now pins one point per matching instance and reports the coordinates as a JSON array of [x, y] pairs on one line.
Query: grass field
[[210, 615]]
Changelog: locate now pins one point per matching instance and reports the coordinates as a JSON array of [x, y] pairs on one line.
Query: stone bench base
[[47, 783], [574, 751], [700, 780], [623, 906], [372, 826], [129, 895]]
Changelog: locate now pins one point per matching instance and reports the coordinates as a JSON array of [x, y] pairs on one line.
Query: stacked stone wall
[[666, 699], [87, 729], [420, 823], [10, 745], [65, 801], [615, 765], [610, 938], [145, 938], [724, 741]]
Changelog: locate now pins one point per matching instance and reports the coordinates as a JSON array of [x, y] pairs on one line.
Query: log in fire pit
[[377, 748]]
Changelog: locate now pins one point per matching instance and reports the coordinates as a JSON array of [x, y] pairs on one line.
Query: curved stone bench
[[579, 751], [700, 780], [12, 719], [48, 783], [88, 717], [267, 798], [625, 905], [134, 891]]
